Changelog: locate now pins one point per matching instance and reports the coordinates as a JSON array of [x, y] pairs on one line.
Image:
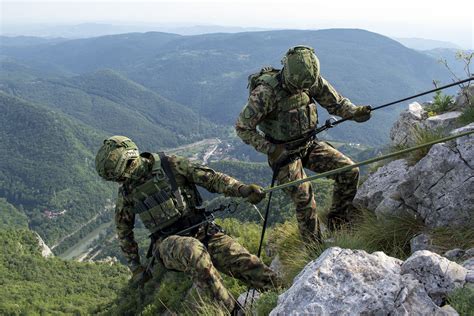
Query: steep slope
[[34, 285], [209, 72], [11, 217], [109, 102], [47, 166]]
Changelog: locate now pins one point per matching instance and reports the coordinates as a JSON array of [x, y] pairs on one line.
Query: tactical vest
[[159, 202], [295, 115]]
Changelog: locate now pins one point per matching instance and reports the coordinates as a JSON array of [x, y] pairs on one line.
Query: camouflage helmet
[[300, 68], [115, 157]]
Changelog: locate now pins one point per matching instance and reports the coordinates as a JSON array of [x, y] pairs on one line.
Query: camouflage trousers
[[320, 157], [221, 252]]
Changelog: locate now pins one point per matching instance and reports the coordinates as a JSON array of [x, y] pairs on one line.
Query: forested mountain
[[47, 167], [209, 72], [33, 285], [11, 217], [109, 102]]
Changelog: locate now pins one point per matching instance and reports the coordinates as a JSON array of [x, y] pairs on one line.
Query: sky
[[440, 20]]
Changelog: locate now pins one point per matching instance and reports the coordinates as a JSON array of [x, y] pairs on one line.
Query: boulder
[[440, 187], [446, 121], [421, 242], [469, 266], [438, 275], [382, 185], [401, 133], [454, 254], [353, 282]]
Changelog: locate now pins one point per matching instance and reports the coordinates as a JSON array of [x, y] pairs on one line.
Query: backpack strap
[[169, 173]]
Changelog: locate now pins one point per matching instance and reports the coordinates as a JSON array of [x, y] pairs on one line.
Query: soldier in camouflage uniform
[[162, 191], [281, 105]]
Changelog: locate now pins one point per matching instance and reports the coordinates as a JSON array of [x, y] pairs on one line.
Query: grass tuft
[[421, 136], [462, 300]]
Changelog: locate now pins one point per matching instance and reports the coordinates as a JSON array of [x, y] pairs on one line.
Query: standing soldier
[[281, 105], [162, 191]]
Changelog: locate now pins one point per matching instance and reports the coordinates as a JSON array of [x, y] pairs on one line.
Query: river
[[82, 246]]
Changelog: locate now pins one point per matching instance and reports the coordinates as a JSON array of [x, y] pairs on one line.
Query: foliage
[[267, 302], [32, 284], [421, 136], [462, 300], [467, 115], [445, 237], [49, 165], [441, 103], [391, 235], [11, 217], [208, 73]]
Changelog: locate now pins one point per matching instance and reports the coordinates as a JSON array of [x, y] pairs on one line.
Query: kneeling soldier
[[162, 191]]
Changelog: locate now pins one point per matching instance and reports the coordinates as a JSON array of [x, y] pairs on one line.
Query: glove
[[362, 113], [252, 192], [277, 153], [139, 276]]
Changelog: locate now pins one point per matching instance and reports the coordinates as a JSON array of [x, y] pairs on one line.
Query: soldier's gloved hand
[[362, 113], [277, 153], [252, 192]]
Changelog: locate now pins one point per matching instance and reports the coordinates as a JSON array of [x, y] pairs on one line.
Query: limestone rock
[[421, 242], [469, 253], [277, 266], [446, 121], [469, 266], [438, 275], [454, 254], [440, 187], [402, 130], [353, 282], [45, 250], [381, 185]]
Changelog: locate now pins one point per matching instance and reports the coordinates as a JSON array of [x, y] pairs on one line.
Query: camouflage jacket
[[186, 173], [261, 102]]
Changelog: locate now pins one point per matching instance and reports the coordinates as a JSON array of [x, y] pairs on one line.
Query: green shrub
[[467, 115], [421, 136], [441, 103], [266, 302]]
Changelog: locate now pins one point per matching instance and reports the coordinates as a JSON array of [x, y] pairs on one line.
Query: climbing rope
[[365, 162]]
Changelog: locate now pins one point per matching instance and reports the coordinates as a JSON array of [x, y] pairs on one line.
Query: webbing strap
[[169, 173]]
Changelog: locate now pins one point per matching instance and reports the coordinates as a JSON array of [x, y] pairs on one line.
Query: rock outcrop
[[353, 282], [401, 133], [45, 250], [439, 188]]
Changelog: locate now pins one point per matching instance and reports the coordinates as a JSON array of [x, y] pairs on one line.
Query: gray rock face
[[353, 282], [440, 187], [446, 121], [382, 186], [45, 250], [421, 242], [454, 254], [438, 275], [469, 266], [402, 130]]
